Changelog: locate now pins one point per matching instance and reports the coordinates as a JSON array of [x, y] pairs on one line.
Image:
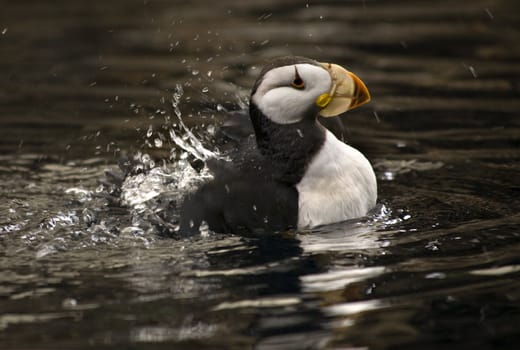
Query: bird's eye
[[298, 83]]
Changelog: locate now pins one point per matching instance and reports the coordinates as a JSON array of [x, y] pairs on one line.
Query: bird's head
[[291, 89]]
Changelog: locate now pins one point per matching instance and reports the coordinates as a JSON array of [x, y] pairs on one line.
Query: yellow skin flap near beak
[[323, 100], [347, 92]]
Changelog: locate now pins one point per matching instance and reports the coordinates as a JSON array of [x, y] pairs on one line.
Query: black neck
[[288, 147]]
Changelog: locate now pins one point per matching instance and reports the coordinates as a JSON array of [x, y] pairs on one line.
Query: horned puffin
[[300, 175]]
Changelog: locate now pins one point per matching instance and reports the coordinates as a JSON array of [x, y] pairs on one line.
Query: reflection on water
[[435, 265]]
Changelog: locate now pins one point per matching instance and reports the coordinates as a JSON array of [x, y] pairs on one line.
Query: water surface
[[436, 265]]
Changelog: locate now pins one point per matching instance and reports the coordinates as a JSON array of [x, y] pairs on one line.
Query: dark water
[[437, 266]]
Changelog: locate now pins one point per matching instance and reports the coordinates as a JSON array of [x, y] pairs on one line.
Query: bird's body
[[300, 174], [348, 191]]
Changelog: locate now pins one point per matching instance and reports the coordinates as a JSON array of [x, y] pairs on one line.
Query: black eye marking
[[298, 82]]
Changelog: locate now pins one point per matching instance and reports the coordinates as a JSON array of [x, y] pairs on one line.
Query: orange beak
[[347, 92]]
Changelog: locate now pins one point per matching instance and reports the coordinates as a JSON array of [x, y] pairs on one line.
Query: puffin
[[297, 174]]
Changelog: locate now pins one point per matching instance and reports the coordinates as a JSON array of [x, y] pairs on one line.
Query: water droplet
[[473, 72], [388, 175], [433, 246], [204, 229], [205, 89], [471, 69], [377, 117], [195, 72], [89, 217], [4, 31], [149, 132], [158, 142], [489, 13]]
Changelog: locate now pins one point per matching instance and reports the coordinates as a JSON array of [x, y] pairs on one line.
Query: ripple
[[258, 303], [439, 265], [352, 308], [334, 280], [8, 319], [496, 271]]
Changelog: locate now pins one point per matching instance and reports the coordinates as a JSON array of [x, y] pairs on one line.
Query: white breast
[[339, 184]]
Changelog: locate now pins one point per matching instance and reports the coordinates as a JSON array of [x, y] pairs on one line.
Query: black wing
[[242, 204]]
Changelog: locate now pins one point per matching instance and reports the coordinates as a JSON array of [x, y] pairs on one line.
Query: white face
[[287, 92]]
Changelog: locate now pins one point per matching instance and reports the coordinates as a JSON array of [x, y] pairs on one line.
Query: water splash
[[153, 192], [175, 179], [185, 139], [150, 189]]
